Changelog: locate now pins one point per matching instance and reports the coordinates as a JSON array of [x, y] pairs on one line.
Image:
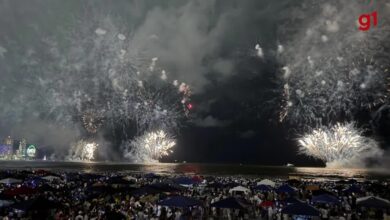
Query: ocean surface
[[201, 169]]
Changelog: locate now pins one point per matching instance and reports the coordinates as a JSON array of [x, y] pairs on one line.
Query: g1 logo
[[365, 21]]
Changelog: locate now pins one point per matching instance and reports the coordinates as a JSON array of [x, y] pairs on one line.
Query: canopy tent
[[180, 201], [373, 202], [10, 181], [240, 189], [267, 182], [230, 203], [326, 199], [285, 189], [301, 209]]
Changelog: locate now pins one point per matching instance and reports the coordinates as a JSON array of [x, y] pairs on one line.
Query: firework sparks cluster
[[149, 147], [330, 71], [341, 144]]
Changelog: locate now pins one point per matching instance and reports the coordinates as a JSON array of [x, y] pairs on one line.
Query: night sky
[[208, 44]]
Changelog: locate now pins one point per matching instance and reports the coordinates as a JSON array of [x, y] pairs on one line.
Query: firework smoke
[[82, 151], [150, 147], [339, 145], [98, 82]]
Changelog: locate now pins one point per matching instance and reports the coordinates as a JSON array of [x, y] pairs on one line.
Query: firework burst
[[92, 121], [150, 147], [339, 145]]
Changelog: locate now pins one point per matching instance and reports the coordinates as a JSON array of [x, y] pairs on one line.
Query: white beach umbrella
[[239, 189], [267, 182], [10, 181]]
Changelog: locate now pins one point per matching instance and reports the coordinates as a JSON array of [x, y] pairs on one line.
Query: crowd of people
[[42, 194]]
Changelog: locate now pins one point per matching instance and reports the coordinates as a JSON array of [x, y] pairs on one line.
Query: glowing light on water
[[339, 145]]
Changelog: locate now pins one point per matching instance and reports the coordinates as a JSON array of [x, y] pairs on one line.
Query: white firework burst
[[150, 147], [339, 145]]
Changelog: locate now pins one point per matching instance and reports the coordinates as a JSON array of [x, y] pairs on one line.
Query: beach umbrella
[[373, 202], [51, 178], [164, 187], [326, 199], [267, 182], [180, 201], [301, 209], [230, 203], [264, 188], [145, 190], [197, 179], [10, 181], [285, 189], [184, 181], [267, 204], [321, 192], [240, 189], [291, 200]]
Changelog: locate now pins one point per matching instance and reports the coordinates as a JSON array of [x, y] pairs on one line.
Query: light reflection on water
[[203, 169]]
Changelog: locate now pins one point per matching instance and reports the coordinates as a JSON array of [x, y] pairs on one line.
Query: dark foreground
[[34, 193]]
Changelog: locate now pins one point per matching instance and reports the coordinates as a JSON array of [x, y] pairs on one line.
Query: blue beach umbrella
[[180, 201], [326, 199], [230, 203], [301, 209], [285, 189]]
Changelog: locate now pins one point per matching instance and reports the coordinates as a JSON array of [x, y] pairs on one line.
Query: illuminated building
[[22, 148]]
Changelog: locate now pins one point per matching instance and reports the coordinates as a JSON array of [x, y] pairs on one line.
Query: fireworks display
[[149, 147], [339, 145], [82, 151], [97, 82]]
